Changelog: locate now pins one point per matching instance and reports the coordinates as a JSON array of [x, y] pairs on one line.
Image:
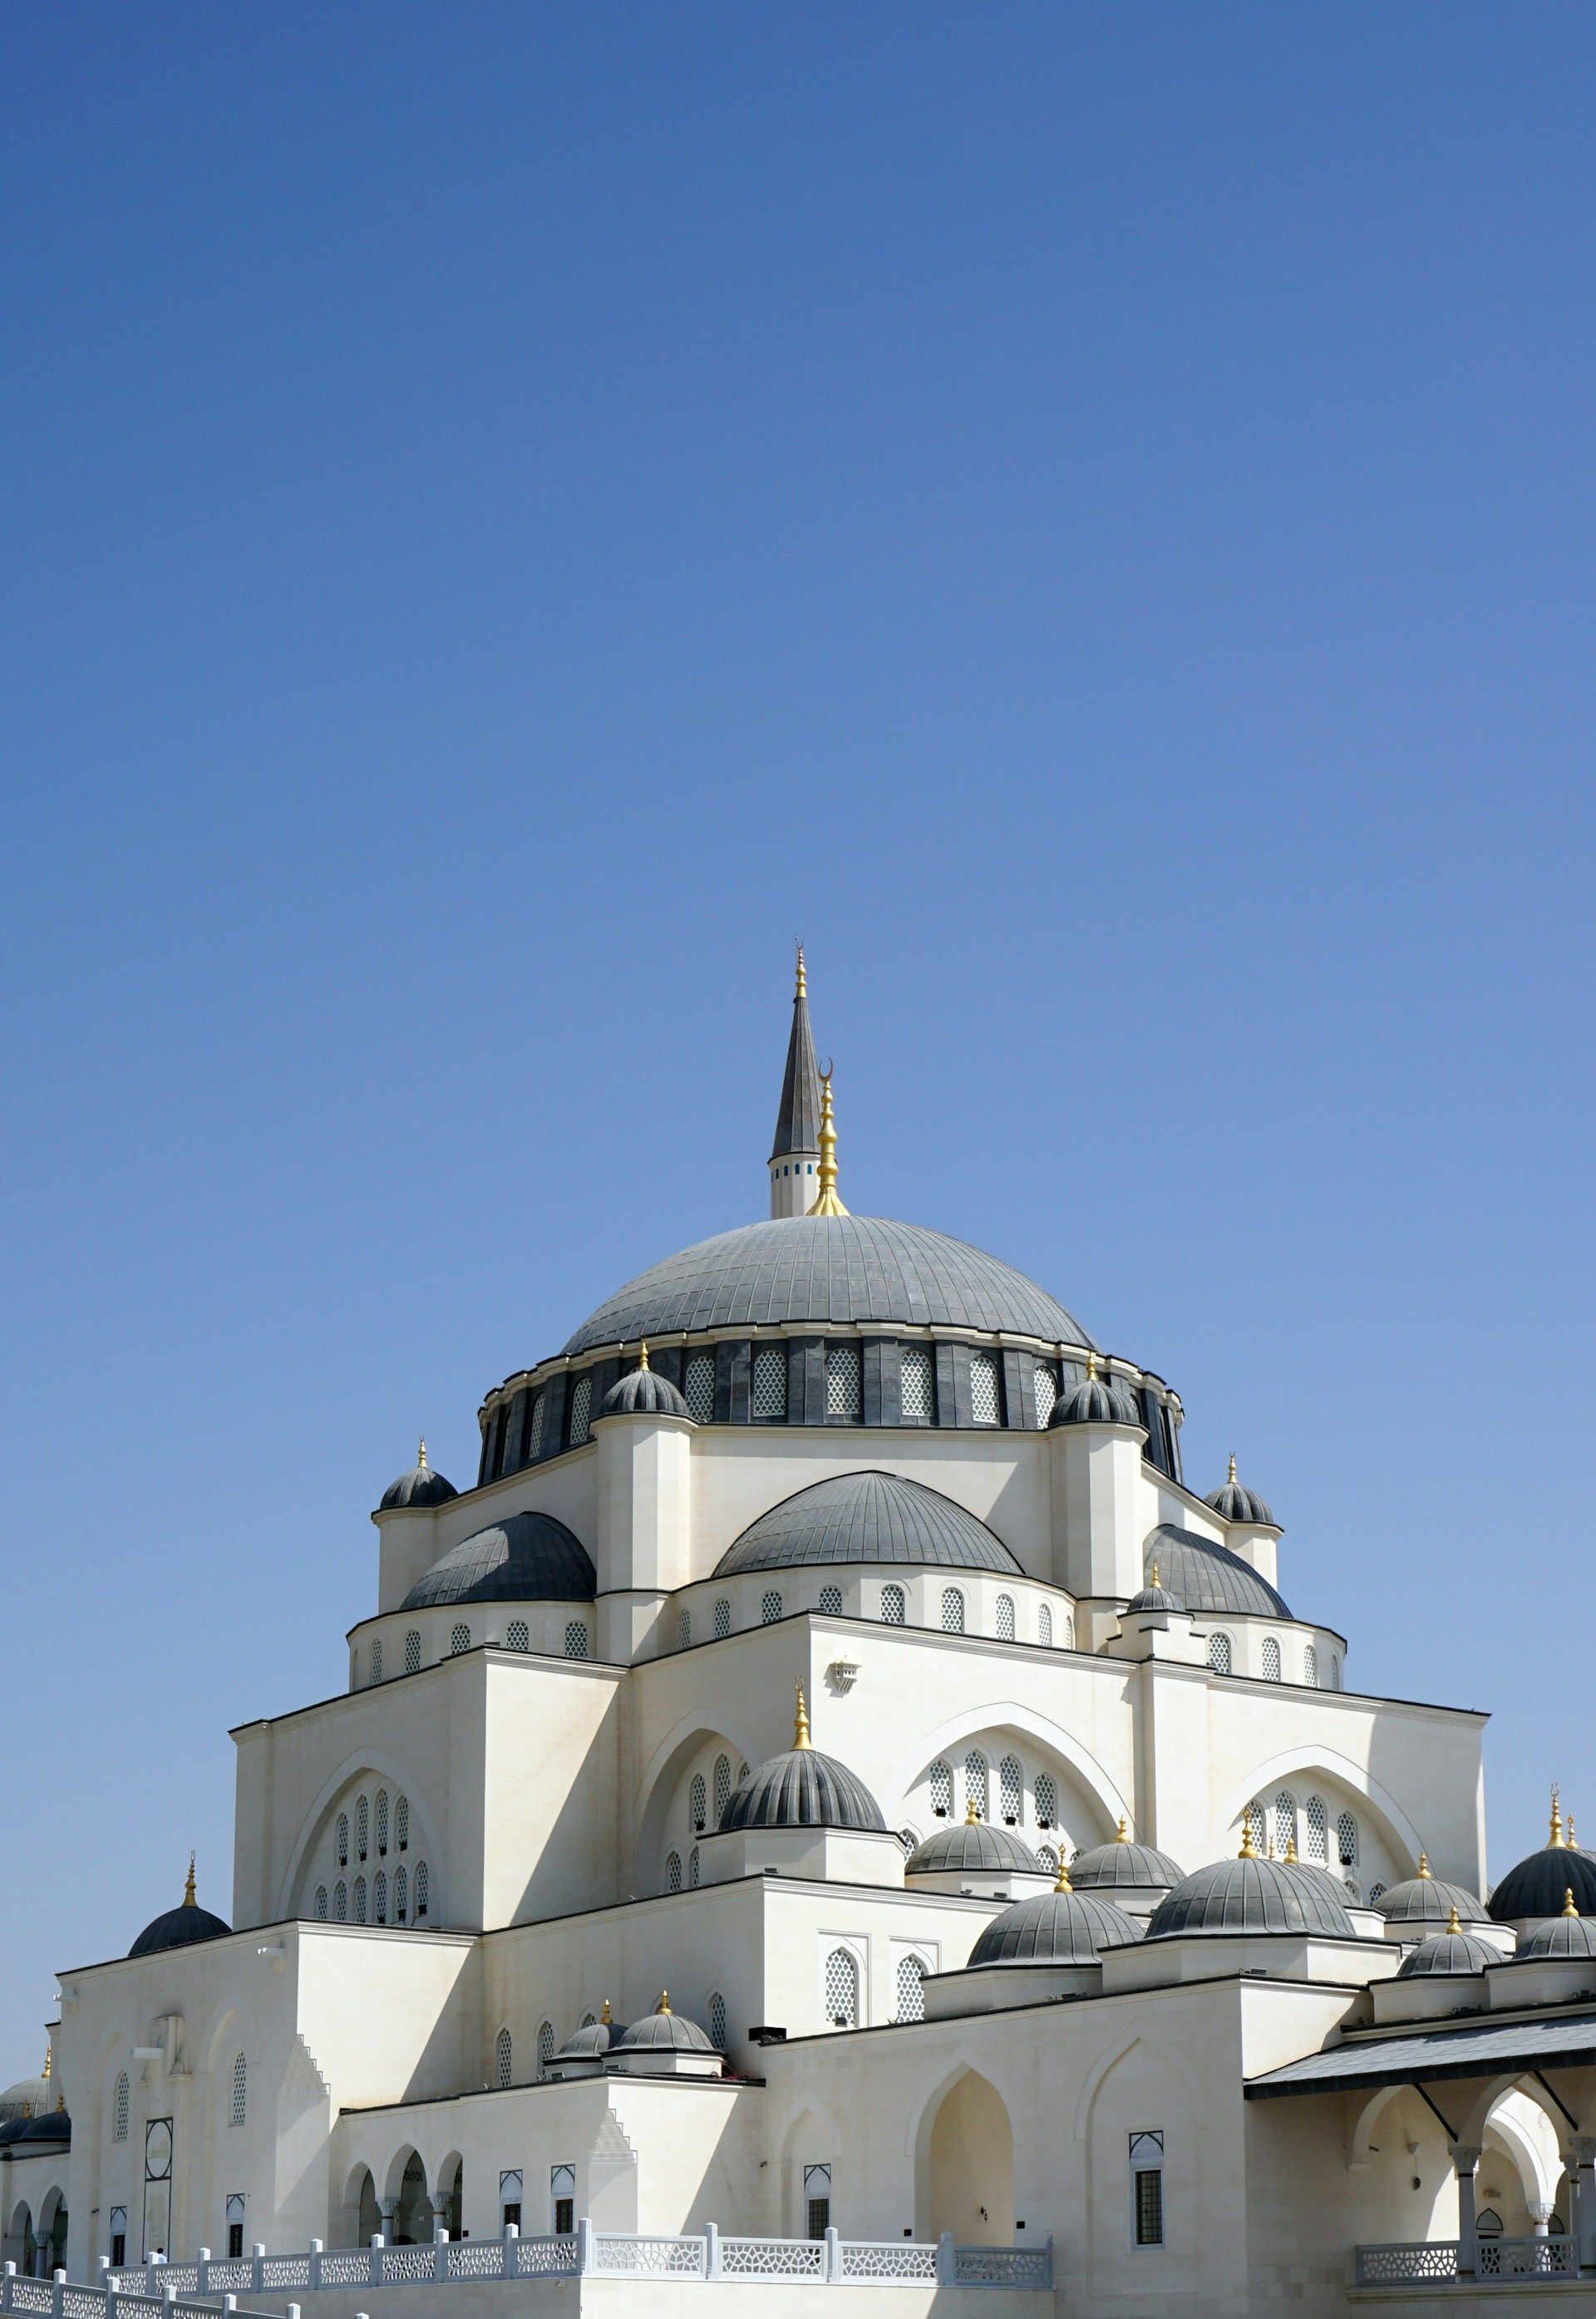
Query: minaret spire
[[795, 1155]]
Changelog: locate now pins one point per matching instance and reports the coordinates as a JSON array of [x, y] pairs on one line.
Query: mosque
[[830, 1777]]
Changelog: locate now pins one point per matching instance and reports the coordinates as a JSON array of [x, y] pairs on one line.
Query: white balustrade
[[1429, 2262]]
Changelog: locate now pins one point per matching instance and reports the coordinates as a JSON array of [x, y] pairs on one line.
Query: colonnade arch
[[964, 2163]]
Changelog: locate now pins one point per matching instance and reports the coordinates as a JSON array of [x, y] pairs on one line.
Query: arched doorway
[[971, 2165], [363, 2218], [413, 2217], [52, 2236], [451, 2195], [20, 2244]]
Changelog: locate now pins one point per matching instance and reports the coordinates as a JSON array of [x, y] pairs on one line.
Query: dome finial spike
[[827, 1204], [1091, 1368], [1156, 1580], [421, 1454], [1063, 1885], [971, 1816], [1554, 1841], [1568, 1907], [1249, 1850], [607, 2016], [1571, 1844], [801, 988], [1424, 1868], [664, 2004], [643, 1354], [800, 1722], [1233, 1471], [1452, 1923], [1290, 1855], [188, 1899], [1122, 1833]]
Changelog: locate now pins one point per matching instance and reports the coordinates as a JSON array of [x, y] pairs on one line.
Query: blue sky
[[510, 514]]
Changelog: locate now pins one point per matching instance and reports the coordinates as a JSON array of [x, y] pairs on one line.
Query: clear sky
[[509, 515]]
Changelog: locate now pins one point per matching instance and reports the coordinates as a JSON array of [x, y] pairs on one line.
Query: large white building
[[831, 1638]]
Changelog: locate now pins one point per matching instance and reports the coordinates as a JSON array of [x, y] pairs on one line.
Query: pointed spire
[[1122, 1833], [1233, 1472], [607, 2016], [1452, 1923], [643, 1354], [1424, 1870], [1568, 1907], [1571, 1844], [188, 1899], [1248, 1851], [1156, 1580], [664, 2004], [45, 2071], [421, 1454], [1091, 1369], [800, 1722], [798, 1121], [828, 1203], [1555, 1841], [972, 1818], [1290, 1855], [1063, 1885]]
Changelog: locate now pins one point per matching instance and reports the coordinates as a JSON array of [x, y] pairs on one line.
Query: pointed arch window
[[1347, 1839], [1011, 1783], [1285, 1820], [975, 1782], [841, 1990], [1005, 1618], [1069, 1630], [503, 2062], [697, 1803], [911, 1988], [422, 1890], [893, 1606], [1047, 1394], [723, 1787], [1044, 1626], [119, 2110], [942, 1790], [240, 2090], [534, 1444], [1047, 1800], [1047, 1859], [716, 2010], [1310, 1667], [581, 1405], [343, 1839], [320, 1904], [340, 1903], [1271, 1659], [952, 1610], [362, 1828], [401, 1823], [360, 1900], [673, 1873], [382, 1823], [545, 2046], [684, 1630], [1254, 1820], [376, 1660], [1315, 1832], [400, 1896], [692, 1870], [379, 1898]]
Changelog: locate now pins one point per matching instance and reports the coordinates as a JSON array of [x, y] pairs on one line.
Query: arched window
[[831, 1602], [942, 1790], [581, 1403], [517, 1636], [320, 1904], [1488, 2223], [412, 1652], [1047, 1800], [382, 1823], [698, 1388], [376, 1660], [1069, 1630], [421, 1891], [1005, 1618], [401, 1823], [1335, 1673], [340, 1903], [698, 1803], [360, 1900], [362, 1828], [1271, 1659], [1219, 1653], [503, 2062], [343, 1839], [1047, 1859], [911, 1988], [842, 1384], [379, 1898], [770, 1383], [716, 2010], [841, 1990], [684, 1630], [673, 1873], [952, 1610], [983, 1389], [459, 1640], [240, 2090], [692, 1870], [119, 2110], [914, 1384], [770, 1609], [1256, 1821], [723, 1787], [893, 1606], [1285, 1820], [576, 1639], [534, 1439], [400, 1896], [1315, 1831], [1310, 1667], [1010, 1790], [975, 1782], [1044, 1626], [1346, 1840], [723, 1619], [545, 2046], [1047, 1392]]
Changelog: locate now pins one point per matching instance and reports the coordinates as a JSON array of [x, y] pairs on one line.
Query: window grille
[[503, 2062], [340, 1903], [1255, 1821], [942, 1790], [1047, 1392], [362, 1828], [1271, 1659], [376, 1660], [1285, 1820], [723, 1787], [1047, 1859], [684, 1630], [1346, 1840], [841, 1990], [545, 2046], [1311, 1667], [1047, 1800], [893, 1606], [983, 1389], [581, 1403], [343, 1839], [379, 1898], [673, 1873], [576, 1639], [911, 1988], [534, 1444], [422, 1890], [841, 1383], [400, 1896], [1069, 1630], [382, 1823], [1219, 1653], [1316, 1841], [1044, 1626], [1005, 1618], [698, 1806], [320, 1904], [1376, 1891], [770, 1382], [459, 1640], [975, 1782], [692, 1870], [1147, 2175], [517, 1636], [742, 1773], [914, 1382], [240, 2088], [699, 1388], [1335, 1673], [952, 1610], [412, 1652], [119, 2129], [717, 2022], [831, 1601], [401, 1823], [1010, 1789], [723, 1619], [360, 1900], [769, 1609]]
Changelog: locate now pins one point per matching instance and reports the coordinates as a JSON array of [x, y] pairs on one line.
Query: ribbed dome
[[644, 1391], [524, 1558], [1570, 1937], [833, 1271], [1208, 1577], [1449, 1953], [1055, 1928], [1536, 1886], [1155, 1597], [802, 1788], [972, 1847], [592, 2043], [49, 2126], [1233, 1501], [179, 1926], [870, 1517], [419, 1487], [1251, 1896], [1097, 1401], [1427, 1900], [1122, 1866], [663, 2031]]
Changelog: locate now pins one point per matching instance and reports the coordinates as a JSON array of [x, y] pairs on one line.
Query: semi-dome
[[1452, 1951], [830, 1271], [1097, 1401], [662, 2031], [1250, 1895], [1233, 1501], [421, 1486], [179, 1926], [1427, 1900], [973, 1847], [802, 1788], [869, 1517], [1061, 1927], [524, 1558], [1536, 1887], [1568, 1937], [1122, 1866], [643, 1392], [1208, 1577]]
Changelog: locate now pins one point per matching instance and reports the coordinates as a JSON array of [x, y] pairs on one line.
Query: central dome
[[831, 1270]]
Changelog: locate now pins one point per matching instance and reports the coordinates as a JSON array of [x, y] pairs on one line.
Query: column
[[386, 2210], [1540, 2215], [1582, 2168], [1465, 2158]]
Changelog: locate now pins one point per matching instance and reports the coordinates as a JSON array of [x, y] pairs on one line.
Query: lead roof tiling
[[870, 1517]]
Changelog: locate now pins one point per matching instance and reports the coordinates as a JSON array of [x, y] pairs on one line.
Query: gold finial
[[1424, 1867], [1233, 1472], [1063, 1885], [1568, 1907], [1571, 1844], [1555, 1841], [971, 1816], [643, 1354], [802, 991], [607, 2016], [800, 1722], [1452, 1923], [1091, 1369], [1248, 1851], [827, 1204], [1122, 1833], [664, 2004], [421, 1454], [27, 2109], [1290, 1855], [188, 1899], [60, 2103], [45, 2071], [1155, 1575]]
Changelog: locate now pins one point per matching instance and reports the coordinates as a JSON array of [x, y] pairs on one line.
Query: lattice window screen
[[240, 2088], [119, 2132], [770, 1382], [1047, 1800], [841, 1990], [893, 1606], [1271, 1659], [911, 1988], [952, 1610], [1346, 1840], [576, 1639], [717, 2022], [841, 1381], [723, 1787], [1047, 1392], [831, 1601], [459, 1640], [942, 1790], [1316, 1823], [1044, 1626], [1005, 1618], [1010, 1790], [673, 1873], [503, 2062], [975, 1782], [699, 1388], [412, 1652], [770, 1609], [517, 1636], [915, 1381], [983, 1389], [723, 1619], [1219, 1653], [698, 1802]]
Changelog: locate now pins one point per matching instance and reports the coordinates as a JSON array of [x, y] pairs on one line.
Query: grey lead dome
[[1208, 1577], [973, 1846], [1252, 1896], [644, 1392], [524, 1558], [832, 1271], [868, 1517], [802, 1788], [1055, 1928]]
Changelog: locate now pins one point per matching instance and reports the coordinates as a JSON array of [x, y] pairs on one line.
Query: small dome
[[419, 1487], [1155, 1595], [524, 1558], [1061, 1927], [973, 1848], [1250, 1895], [644, 1392], [1569, 1935], [26, 2099], [1233, 1501], [1427, 1900], [179, 1926], [802, 1788], [1208, 1577], [594, 2040], [49, 2125], [1453, 1951], [1536, 1887], [868, 1517], [1122, 1866], [662, 2031], [1097, 1401]]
